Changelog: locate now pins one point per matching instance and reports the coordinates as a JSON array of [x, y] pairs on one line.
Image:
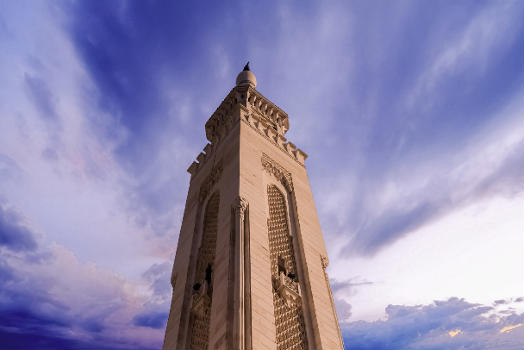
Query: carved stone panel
[[203, 283], [289, 318], [277, 171], [210, 181]]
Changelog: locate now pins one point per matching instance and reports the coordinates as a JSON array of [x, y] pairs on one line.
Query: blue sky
[[410, 112]]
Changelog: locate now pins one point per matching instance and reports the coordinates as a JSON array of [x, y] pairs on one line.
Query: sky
[[410, 112]]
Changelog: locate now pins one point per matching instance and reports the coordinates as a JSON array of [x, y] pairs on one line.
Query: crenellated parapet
[[267, 112], [246, 104], [267, 131], [249, 100]]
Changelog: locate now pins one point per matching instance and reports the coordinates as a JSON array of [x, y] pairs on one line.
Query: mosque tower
[[250, 265]]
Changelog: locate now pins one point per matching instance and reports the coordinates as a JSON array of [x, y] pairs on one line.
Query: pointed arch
[[289, 318], [203, 286]]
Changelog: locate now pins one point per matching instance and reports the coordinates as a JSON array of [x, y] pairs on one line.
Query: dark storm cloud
[[13, 233], [428, 327]]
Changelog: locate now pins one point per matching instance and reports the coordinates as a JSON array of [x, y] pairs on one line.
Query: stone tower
[[250, 266]]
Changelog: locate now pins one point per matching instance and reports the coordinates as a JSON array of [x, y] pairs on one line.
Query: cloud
[[156, 320], [449, 324], [468, 48], [509, 328], [9, 169], [154, 312], [40, 94], [129, 86], [56, 300], [347, 287], [144, 89], [158, 275], [343, 309], [13, 233], [438, 194]]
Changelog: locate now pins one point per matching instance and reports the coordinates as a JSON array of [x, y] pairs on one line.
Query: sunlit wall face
[[410, 112]]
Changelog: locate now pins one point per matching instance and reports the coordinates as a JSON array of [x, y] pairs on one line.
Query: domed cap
[[246, 77]]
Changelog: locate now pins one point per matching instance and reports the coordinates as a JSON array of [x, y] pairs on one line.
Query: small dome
[[246, 77]]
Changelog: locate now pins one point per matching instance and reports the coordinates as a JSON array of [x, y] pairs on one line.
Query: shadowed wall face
[[203, 285]]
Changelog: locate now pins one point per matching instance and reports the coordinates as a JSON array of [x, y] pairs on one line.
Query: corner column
[[241, 298]]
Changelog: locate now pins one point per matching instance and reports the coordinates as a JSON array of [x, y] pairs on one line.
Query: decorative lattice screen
[[203, 287], [289, 319]]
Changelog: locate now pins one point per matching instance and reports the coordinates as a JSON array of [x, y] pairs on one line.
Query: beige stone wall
[[311, 246], [239, 153]]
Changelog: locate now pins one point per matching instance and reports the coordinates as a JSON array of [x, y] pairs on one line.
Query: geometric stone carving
[[253, 102], [287, 303], [201, 304], [278, 171], [210, 181], [288, 289], [203, 283]]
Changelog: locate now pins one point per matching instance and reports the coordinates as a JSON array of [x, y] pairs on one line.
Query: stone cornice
[[267, 111], [279, 141], [239, 205], [255, 103], [253, 108], [277, 171]]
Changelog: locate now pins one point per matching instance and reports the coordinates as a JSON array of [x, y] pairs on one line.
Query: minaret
[[250, 266]]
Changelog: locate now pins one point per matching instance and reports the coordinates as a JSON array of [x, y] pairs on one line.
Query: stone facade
[[249, 271]]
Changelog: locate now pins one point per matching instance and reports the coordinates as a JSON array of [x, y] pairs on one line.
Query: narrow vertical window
[[203, 287], [289, 320]]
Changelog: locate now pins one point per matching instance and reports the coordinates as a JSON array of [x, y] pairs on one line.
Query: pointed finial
[[246, 77]]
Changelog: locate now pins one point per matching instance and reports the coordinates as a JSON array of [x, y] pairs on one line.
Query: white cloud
[[474, 252], [68, 183]]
